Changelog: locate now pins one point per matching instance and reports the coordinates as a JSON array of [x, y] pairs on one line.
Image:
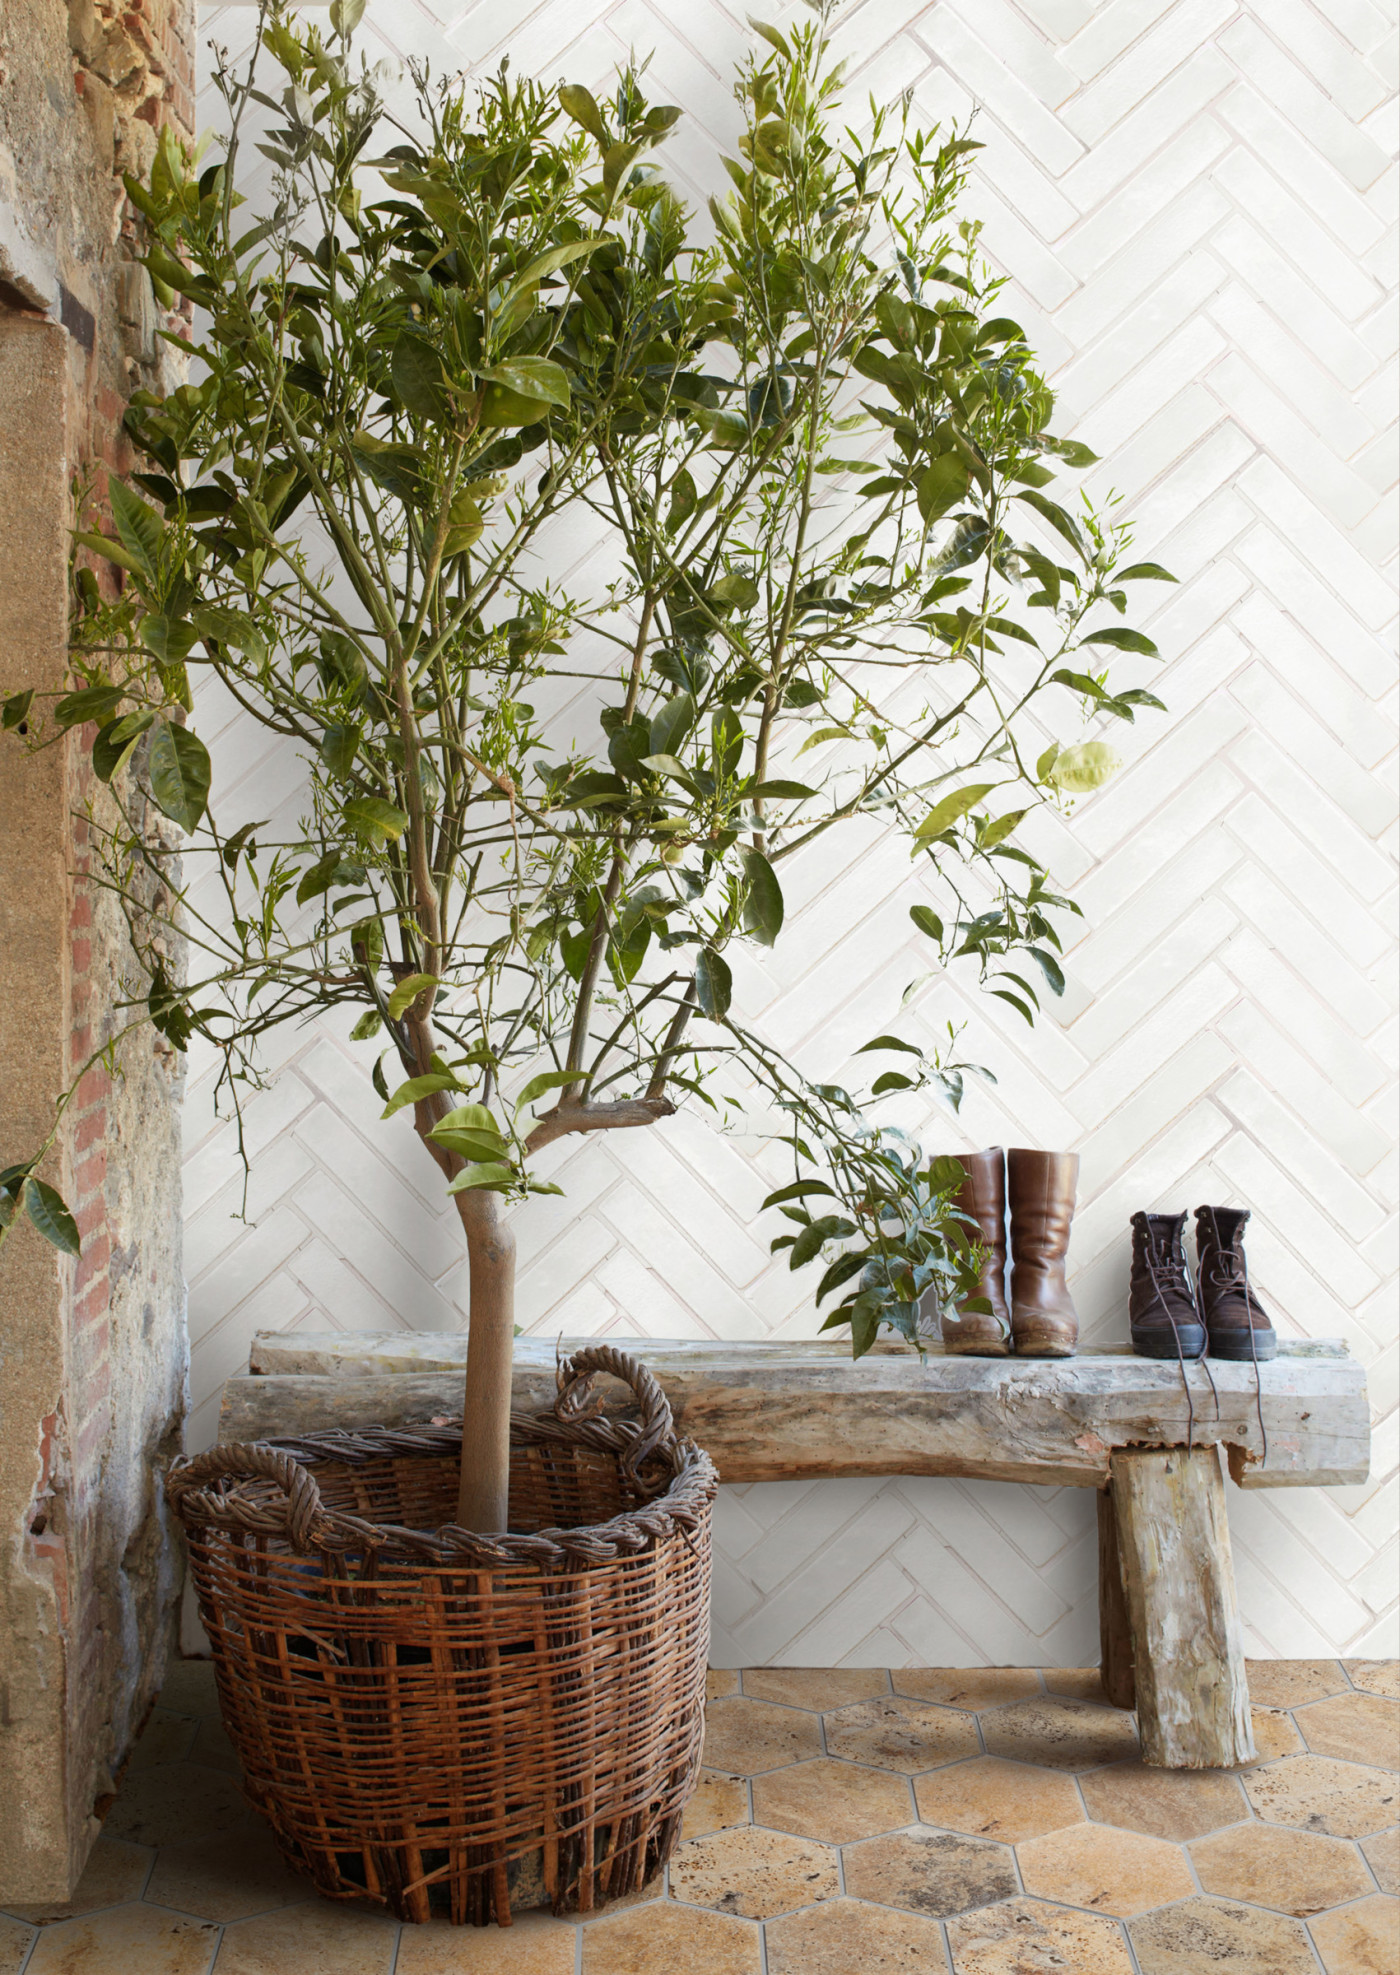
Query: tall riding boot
[[1044, 1322], [982, 1196], [1237, 1324]]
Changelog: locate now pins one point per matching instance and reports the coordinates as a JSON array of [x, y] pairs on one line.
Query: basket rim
[[226, 1488]]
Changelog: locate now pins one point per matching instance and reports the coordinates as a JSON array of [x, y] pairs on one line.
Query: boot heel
[[1187, 1342], [1237, 1350]]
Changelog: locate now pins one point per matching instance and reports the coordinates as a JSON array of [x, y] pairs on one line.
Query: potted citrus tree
[[830, 586]]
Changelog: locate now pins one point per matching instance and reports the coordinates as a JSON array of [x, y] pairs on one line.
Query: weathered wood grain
[[1179, 1585], [769, 1412], [1115, 1631]]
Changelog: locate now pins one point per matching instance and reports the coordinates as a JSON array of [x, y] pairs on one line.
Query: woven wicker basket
[[454, 1724]]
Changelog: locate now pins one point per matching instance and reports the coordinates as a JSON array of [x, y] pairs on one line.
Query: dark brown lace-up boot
[[982, 1196], [1237, 1326], [1162, 1313]]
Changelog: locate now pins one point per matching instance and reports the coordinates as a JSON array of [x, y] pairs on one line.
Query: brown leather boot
[[1163, 1320], [1044, 1321], [983, 1333], [1237, 1325]]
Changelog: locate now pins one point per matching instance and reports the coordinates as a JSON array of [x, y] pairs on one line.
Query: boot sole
[[976, 1350], [1188, 1343], [1238, 1351]]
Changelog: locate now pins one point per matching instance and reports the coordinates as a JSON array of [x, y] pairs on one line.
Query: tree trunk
[[483, 1490]]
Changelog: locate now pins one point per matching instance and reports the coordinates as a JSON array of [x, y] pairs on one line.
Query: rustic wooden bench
[[1169, 1625]]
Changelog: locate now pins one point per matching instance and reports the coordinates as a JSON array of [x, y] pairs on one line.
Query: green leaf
[[841, 1270], [179, 773], [557, 257], [16, 709], [234, 628], [797, 1190], [763, 907], [996, 832], [91, 703], [890, 1080], [713, 983], [893, 1042], [490, 1175], [1144, 572], [471, 1145], [49, 1212], [408, 990], [1003, 994], [671, 723], [346, 16], [103, 545], [138, 525], [116, 743], [831, 1227], [373, 820], [735, 590], [417, 373], [1047, 761], [417, 1087], [1088, 766], [947, 812], [781, 791], [927, 921], [1056, 516], [1050, 967], [942, 486], [468, 1118], [533, 378], [340, 743], [771, 36], [367, 1026], [1122, 639], [580, 105], [547, 1080]]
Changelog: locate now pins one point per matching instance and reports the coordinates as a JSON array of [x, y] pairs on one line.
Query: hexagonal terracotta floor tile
[[1375, 1676], [123, 1940], [718, 1802], [225, 1878], [1318, 1793], [533, 1944], [755, 1873], [1027, 1937], [1383, 1857], [176, 1803], [1163, 1803], [15, 1937], [721, 1680], [1213, 1937], [1356, 1727], [816, 1687], [677, 1939], [1291, 1871], [1076, 1683], [989, 1798], [1061, 1734], [847, 1937], [901, 1735], [746, 1737], [965, 1686], [1289, 1683], [930, 1872], [1274, 1736], [319, 1938], [838, 1801], [1112, 1871], [114, 1872], [1362, 1939]]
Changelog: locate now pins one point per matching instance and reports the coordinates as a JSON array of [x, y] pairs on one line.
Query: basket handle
[[247, 1459], [575, 1378]]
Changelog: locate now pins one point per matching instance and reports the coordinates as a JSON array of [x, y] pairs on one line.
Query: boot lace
[[1230, 1270], [1167, 1270]]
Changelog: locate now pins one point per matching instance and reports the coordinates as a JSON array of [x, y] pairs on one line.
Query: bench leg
[[1179, 1588], [1115, 1634]]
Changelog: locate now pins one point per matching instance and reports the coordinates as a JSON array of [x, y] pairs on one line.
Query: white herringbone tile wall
[[1194, 200]]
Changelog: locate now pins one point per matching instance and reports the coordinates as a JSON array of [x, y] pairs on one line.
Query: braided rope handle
[[248, 1460], [576, 1400]]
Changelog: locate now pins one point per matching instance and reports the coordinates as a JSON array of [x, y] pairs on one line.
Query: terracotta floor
[[850, 1823]]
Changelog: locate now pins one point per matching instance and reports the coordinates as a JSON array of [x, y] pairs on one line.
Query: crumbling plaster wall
[[92, 1351]]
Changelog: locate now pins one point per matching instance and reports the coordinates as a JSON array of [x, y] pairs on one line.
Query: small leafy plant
[[829, 587]]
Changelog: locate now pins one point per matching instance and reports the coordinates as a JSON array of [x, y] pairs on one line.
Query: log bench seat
[[775, 1411]]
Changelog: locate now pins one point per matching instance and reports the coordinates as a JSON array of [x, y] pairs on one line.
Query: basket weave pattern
[[452, 1723]]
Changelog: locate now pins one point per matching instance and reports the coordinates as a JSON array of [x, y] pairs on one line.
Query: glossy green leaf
[[138, 525], [714, 984], [373, 820], [947, 812], [581, 106], [179, 773], [1121, 639], [548, 1080], [407, 991], [894, 1042], [467, 1117], [115, 743], [1088, 766], [114, 551], [417, 373], [89, 703], [763, 907], [927, 921], [491, 1174], [368, 1025], [48, 1210], [1000, 828], [942, 486], [418, 1087], [15, 710], [1144, 572]]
